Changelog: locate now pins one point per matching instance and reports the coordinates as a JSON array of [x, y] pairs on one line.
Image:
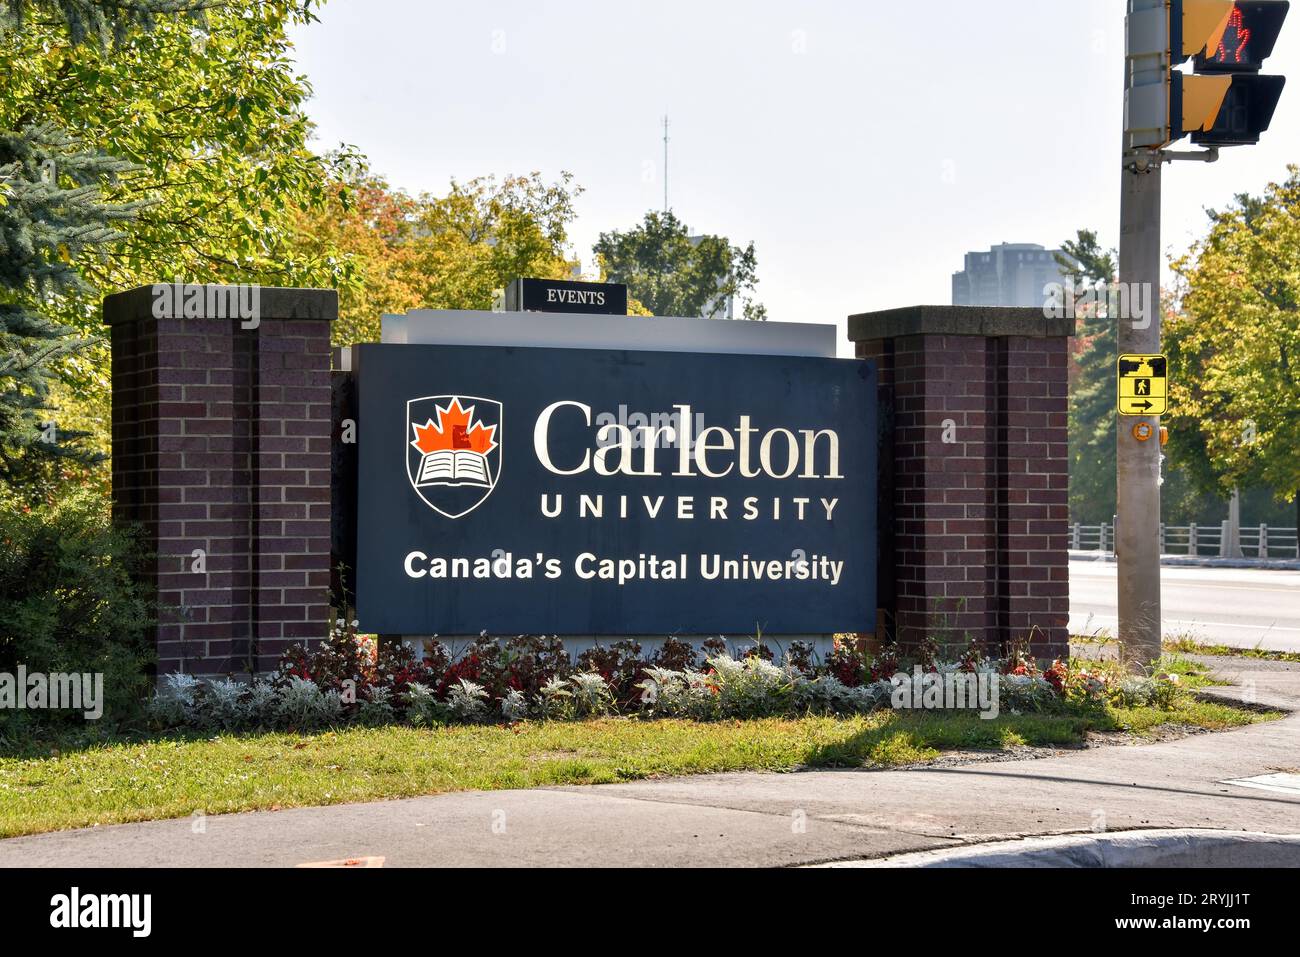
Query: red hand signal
[[1238, 30]]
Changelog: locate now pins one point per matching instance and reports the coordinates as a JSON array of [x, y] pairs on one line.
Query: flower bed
[[349, 679]]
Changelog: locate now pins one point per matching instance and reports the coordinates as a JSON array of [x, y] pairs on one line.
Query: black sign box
[[591, 492], [559, 295]]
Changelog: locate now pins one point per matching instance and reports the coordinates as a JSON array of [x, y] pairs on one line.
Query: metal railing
[[1202, 541]]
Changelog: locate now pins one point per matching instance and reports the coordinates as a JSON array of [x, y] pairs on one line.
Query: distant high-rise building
[[1013, 274]]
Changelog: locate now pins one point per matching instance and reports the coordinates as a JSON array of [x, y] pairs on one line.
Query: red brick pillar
[[221, 454], [974, 513]]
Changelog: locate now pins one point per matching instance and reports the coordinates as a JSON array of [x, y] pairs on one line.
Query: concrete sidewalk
[[757, 819]]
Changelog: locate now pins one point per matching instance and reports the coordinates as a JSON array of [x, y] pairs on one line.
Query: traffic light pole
[[1224, 101], [1137, 533]]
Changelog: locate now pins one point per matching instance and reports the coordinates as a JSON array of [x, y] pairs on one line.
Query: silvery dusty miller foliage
[[724, 687]]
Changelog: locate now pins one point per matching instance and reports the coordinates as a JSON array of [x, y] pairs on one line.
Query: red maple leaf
[[456, 429]]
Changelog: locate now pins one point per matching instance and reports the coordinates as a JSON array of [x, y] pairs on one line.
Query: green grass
[[77, 783], [1177, 647], [1191, 674], [1190, 646], [1191, 712]]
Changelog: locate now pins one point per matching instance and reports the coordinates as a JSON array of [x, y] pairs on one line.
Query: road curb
[[1162, 848]]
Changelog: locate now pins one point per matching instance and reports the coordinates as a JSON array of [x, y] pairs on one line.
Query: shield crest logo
[[453, 451]]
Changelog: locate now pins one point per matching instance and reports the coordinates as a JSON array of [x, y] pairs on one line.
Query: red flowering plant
[[675, 655], [530, 661], [1019, 659], [847, 663], [802, 657], [343, 656], [885, 665], [927, 655], [524, 663], [1058, 676], [295, 663], [1087, 686], [468, 667], [620, 664], [398, 666], [715, 647], [435, 656], [975, 655]]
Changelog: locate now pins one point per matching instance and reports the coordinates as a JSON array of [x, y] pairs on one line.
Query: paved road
[[756, 819], [1244, 608]]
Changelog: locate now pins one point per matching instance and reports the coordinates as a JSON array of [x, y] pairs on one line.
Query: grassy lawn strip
[[1192, 674], [1188, 646], [1193, 646], [53, 787]]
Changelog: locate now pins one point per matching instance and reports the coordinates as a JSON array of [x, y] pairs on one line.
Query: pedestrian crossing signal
[[1224, 100], [1143, 385]]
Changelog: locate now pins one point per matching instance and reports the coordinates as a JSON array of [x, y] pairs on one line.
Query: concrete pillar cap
[[986, 321]]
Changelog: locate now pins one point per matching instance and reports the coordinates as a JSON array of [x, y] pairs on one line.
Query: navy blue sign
[[576, 492], [564, 295]]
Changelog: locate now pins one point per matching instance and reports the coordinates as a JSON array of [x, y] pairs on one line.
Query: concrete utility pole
[[1137, 533], [1232, 537]]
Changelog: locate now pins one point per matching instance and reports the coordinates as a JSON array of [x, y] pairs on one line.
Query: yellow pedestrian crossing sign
[[1143, 385]]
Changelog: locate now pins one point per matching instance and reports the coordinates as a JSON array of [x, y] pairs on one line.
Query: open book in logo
[[453, 452]]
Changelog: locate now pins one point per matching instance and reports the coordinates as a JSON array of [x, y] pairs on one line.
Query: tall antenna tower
[[665, 164]]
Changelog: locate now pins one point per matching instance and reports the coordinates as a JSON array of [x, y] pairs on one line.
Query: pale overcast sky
[[865, 146]]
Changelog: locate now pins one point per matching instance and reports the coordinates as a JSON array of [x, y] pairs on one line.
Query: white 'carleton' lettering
[[715, 453]]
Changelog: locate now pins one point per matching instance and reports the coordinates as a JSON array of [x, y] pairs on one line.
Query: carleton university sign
[[587, 492]]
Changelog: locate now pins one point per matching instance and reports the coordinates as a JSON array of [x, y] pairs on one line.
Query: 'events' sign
[[564, 295], [588, 492]]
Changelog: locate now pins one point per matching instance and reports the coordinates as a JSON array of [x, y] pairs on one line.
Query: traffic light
[[1225, 101], [1247, 41], [1240, 114]]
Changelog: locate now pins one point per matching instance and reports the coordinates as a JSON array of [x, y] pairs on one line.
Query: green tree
[[211, 113], [673, 274], [1092, 446], [105, 21], [50, 212], [1234, 346], [53, 216], [204, 116], [1092, 397]]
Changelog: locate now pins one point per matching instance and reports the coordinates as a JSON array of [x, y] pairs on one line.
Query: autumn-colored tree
[[1234, 347], [486, 233], [369, 227], [457, 251]]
